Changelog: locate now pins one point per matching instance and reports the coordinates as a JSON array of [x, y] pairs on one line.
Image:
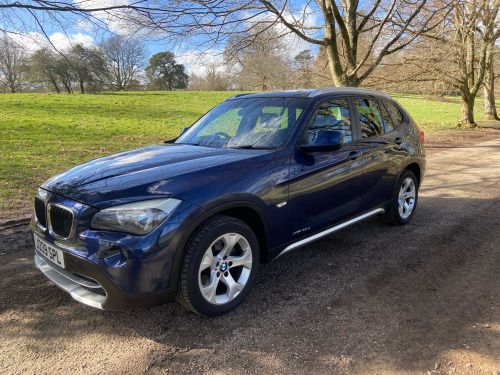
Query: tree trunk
[[68, 88], [54, 83], [490, 110], [81, 87], [339, 77], [467, 113]]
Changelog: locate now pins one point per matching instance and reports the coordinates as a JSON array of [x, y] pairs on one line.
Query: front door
[[323, 186]]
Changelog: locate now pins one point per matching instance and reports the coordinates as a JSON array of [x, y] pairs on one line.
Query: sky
[[63, 30]]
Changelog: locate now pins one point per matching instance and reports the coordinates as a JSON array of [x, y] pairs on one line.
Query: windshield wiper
[[241, 146], [191, 144]]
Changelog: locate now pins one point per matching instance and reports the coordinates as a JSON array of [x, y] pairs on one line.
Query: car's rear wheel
[[219, 266], [404, 201]]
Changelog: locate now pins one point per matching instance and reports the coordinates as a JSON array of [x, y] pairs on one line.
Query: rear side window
[[396, 114], [331, 115], [370, 117]]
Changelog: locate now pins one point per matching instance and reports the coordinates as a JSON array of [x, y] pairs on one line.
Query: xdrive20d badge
[[255, 177]]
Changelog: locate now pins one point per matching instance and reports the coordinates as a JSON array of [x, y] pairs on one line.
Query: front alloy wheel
[[219, 267], [225, 268]]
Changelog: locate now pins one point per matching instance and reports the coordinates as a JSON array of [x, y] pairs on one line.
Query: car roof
[[318, 93]]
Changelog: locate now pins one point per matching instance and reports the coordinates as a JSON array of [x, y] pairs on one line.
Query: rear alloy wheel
[[405, 198], [219, 267]]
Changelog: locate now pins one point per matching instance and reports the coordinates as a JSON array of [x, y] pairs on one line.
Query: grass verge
[[43, 134]]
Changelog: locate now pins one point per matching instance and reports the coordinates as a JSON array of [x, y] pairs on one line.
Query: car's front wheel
[[404, 201], [219, 267]]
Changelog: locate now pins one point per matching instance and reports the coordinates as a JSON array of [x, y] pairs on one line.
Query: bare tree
[[89, 66], [456, 57], [304, 72], [476, 27], [426, 67], [214, 79], [65, 72], [42, 65], [389, 25], [125, 57], [11, 64], [490, 110], [260, 58]]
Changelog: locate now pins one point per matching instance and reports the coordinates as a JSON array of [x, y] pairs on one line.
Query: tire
[[404, 200], [219, 266]]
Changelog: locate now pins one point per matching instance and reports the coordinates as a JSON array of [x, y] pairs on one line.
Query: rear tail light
[[422, 136]]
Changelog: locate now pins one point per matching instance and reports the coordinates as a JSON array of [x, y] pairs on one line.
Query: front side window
[[370, 117], [331, 115], [246, 123]]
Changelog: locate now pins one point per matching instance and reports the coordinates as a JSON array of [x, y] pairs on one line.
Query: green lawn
[[43, 134], [432, 115]]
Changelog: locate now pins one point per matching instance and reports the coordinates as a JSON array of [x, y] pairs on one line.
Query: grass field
[[43, 134]]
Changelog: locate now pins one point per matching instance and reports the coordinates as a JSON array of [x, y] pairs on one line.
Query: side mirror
[[324, 140], [185, 129]]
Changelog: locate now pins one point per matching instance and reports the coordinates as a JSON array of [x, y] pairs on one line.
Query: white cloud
[[199, 62], [84, 25], [29, 41], [119, 21], [34, 41], [64, 42]]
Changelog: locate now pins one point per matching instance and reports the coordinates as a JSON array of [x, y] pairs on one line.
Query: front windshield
[[246, 123]]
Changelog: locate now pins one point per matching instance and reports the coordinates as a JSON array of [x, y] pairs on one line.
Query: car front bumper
[[111, 270]]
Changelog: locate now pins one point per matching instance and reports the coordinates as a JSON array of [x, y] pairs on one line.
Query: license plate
[[49, 251]]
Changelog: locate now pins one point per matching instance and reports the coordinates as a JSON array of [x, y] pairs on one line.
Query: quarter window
[[386, 117], [396, 114], [331, 115], [370, 117]]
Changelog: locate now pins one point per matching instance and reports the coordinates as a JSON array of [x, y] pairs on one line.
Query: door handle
[[353, 155]]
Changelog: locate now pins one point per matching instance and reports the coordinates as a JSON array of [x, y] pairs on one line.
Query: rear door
[[324, 186], [383, 154]]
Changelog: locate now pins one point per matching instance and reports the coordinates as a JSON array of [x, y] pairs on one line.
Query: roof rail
[[238, 95], [323, 90], [344, 90]]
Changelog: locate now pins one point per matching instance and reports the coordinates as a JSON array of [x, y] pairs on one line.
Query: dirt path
[[372, 299]]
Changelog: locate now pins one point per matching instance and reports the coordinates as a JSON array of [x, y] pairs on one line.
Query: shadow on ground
[[370, 295]]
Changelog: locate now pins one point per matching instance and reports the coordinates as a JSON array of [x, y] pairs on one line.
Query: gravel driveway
[[419, 299]]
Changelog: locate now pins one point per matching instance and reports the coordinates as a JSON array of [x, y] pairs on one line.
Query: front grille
[[40, 212], [99, 291], [61, 220], [85, 278]]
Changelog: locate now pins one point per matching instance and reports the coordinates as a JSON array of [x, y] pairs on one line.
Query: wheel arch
[[415, 169], [246, 211]]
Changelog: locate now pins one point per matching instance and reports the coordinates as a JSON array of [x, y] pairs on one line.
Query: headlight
[[138, 217]]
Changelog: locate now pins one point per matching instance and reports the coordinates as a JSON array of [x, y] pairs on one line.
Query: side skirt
[[326, 232]]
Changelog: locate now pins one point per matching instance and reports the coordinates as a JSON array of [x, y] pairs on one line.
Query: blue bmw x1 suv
[[255, 177]]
